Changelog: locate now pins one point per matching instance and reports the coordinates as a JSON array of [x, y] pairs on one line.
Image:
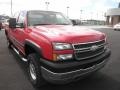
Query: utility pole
[[68, 11], [47, 4], [11, 8], [81, 15]]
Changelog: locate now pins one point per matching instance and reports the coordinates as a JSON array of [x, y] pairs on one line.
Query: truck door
[[19, 32]]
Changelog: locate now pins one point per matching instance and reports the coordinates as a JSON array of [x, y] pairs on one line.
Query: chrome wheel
[[32, 71]]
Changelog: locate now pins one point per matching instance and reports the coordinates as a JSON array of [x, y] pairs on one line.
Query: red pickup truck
[[55, 50]]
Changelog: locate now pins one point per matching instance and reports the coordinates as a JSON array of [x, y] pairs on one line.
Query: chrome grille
[[88, 50]]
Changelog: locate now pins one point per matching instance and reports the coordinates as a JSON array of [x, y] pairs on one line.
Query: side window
[[21, 18]]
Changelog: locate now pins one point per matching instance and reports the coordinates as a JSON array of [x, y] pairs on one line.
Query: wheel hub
[[32, 71]]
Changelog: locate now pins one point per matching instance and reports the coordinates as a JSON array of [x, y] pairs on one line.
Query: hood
[[68, 33]]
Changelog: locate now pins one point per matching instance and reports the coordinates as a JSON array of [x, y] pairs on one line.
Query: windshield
[[47, 18]]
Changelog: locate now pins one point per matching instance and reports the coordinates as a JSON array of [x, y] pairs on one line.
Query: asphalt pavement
[[13, 74]]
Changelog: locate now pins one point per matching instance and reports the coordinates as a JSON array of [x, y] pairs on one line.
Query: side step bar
[[23, 59]]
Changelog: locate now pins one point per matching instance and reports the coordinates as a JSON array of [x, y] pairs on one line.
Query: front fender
[[34, 46]]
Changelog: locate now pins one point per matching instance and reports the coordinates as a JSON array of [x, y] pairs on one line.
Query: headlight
[[62, 46]]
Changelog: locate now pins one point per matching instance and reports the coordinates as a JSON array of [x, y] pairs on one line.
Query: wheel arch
[[32, 47]]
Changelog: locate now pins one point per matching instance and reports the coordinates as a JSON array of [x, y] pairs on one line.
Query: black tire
[[34, 70]]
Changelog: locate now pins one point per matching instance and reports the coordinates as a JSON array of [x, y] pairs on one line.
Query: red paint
[[46, 34]]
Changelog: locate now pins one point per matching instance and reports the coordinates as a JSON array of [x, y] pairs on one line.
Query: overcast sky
[[91, 9]]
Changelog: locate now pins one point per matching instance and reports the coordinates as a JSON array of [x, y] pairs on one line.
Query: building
[[93, 22], [88, 22], [113, 16]]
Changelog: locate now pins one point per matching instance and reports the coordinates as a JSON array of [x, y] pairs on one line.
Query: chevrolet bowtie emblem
[[94, 47]]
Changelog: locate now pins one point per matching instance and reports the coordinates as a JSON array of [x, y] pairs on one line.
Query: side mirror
[[12, 22]]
